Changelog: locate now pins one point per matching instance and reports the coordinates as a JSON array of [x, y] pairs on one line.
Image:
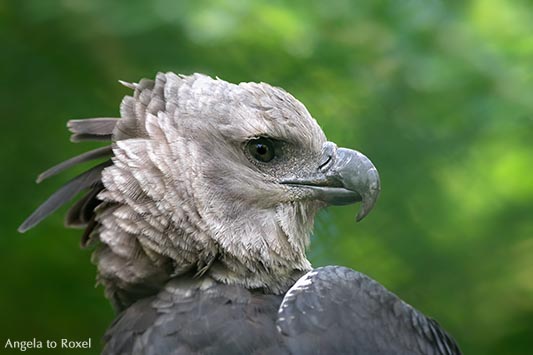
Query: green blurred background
[[438, 94]]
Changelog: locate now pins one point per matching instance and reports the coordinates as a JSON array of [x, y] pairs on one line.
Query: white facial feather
[[183, 192]]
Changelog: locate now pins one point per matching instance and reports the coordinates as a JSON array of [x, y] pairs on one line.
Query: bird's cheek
[[299, 194]]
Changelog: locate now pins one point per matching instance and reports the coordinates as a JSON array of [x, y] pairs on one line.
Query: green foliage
[[437, 94]]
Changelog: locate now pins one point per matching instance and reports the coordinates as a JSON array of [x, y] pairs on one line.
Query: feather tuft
[[132, 86], [63, 195], [101, 126], [87, 156]]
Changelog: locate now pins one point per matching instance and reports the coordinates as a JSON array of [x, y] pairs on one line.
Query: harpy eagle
[[200, 215]]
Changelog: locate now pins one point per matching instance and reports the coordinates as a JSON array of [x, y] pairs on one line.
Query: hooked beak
[[344, 176]]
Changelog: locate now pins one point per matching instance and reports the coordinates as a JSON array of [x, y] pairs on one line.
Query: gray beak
[[343, 176]]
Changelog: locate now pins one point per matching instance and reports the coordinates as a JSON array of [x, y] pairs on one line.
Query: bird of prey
[[200, 216]]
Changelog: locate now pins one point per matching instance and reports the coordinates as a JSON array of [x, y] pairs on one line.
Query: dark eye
[[261, 149]]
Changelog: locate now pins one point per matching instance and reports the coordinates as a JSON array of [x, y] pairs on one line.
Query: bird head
[[208, 175], [209, 170]]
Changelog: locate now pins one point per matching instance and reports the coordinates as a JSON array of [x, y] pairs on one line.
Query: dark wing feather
[[86, 239], [82, 211], [335, 310], [64, 194], [192, 317]]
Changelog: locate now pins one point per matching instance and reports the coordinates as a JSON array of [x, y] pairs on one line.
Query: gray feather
[[92, 129], [82, 211], [63, 195], [336, 310], [331, 310], [87, 156], [198, 317], [97, 126], [84, 137]]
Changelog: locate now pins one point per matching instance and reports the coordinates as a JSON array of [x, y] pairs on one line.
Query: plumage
[[86, 137], [202, 218], [82, 211], [67, 192], [87, 156], [101, 126], [343, 305]]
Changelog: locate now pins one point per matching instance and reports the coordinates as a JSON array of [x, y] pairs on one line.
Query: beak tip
[[368, 202], [363, 212]]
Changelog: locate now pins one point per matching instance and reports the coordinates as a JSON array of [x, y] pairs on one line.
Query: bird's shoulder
[[335, 309], [198, 316], [328, 310]]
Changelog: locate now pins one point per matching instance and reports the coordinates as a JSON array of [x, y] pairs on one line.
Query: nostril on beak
[[328, 154], [323, 164]]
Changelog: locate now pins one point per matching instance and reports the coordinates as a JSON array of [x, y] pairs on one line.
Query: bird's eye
[[261, 149]]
